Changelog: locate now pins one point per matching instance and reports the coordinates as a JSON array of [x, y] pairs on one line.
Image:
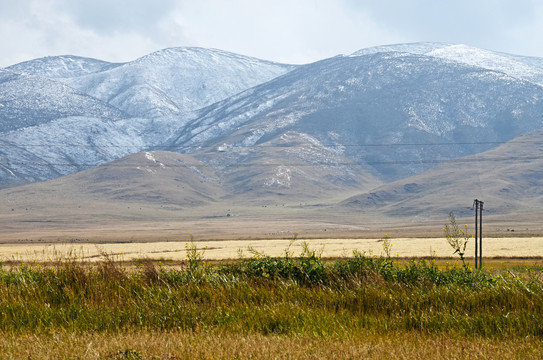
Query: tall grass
[[289, 296]]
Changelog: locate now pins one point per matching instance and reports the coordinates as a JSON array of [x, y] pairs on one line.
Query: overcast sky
[[291, 31]]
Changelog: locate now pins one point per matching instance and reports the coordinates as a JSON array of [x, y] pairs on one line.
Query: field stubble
[[504, 247], [172, 345]]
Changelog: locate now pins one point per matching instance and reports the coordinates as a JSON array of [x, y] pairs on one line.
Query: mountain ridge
[[165, 82], [391, 99], [327, 130], [60, 67]]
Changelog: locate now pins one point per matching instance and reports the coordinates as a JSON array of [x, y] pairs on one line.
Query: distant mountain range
[[387, 128], [60, 115], [168, 82]]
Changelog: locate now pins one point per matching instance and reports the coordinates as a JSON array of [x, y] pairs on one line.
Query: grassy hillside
[[506, 177]]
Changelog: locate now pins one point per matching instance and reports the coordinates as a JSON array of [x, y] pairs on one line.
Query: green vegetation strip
[[288, 296]]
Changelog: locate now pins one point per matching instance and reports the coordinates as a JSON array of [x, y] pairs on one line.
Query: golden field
[[230, 249]]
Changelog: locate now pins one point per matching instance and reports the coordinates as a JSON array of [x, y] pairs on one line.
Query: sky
[[288, 31]]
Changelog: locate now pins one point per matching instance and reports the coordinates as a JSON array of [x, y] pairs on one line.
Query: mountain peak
[[198, 55], [61, 67], [420, 48], [177, 80], [525, 68]]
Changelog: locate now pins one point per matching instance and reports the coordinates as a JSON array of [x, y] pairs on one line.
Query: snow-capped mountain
[[421, 48], [170, 81], [521, 67], [261, 129], [69, 113], [61, 67], [396, 113]]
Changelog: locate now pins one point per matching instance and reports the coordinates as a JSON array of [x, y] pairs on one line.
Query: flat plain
[[154, 233]]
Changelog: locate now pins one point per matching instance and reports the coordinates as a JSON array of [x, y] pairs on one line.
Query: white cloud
[[282, 30], [288, 31], [107, 16], [490, 24], [525, 37], [46, 29]]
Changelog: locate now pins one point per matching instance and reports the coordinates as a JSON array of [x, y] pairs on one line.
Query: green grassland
[[261, 307]]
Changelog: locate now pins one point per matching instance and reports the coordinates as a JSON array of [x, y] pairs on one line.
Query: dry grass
[[202, 345], [229, 249], [70, 311]]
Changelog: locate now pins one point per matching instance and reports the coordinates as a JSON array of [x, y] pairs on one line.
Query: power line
[[292, 164], [233, 146]]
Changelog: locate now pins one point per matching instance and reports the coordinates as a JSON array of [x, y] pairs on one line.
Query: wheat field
[[233, 249]]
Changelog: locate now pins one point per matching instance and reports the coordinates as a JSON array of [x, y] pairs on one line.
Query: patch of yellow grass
[[229, 249], [202, 345]]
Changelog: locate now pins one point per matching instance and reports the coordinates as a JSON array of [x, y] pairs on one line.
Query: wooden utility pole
[[478, 205]]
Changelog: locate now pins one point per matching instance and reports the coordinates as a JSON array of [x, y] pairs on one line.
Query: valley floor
[[160, 233]]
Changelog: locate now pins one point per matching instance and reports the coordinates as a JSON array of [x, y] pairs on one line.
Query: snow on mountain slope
[[386, 110], [60, 67], [421, 48], [31, 100], [63, 146], [534, 61], [490, 60], [176, 80], [527, 68], [45, 111], [67, 145]]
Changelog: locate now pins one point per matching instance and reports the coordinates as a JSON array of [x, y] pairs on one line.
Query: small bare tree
[[457, 238]]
